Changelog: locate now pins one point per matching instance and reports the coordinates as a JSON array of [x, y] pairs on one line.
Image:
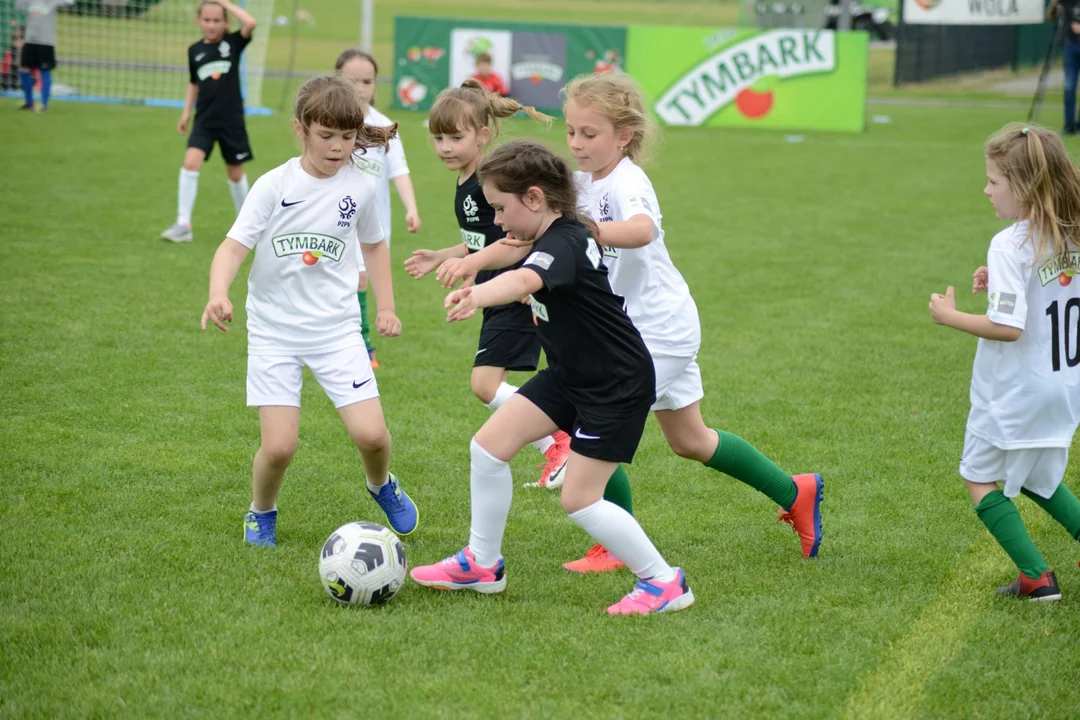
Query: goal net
[[135, 51]]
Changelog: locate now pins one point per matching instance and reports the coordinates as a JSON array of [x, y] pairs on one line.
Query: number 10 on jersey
[[1071, 339]]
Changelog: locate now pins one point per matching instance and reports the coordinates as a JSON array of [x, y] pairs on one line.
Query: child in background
[[385, 165], [487, 76], [214, 91]]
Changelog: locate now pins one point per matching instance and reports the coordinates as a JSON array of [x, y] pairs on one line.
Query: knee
[[193, 164], [483, 389], [575, 498], [698, 446], [278, 453], [235, 172], [372, 440]]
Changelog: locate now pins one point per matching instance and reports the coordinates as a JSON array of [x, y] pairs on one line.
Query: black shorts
[[233, 141], [607, 432], [511, 349], [37, 57]]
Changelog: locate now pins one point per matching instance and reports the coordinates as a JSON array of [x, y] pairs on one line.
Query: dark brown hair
[[334, 102], [352, 53], [521, 164], [472, 107]]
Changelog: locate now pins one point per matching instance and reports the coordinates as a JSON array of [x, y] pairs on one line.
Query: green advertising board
[[776, 79], [534, 60]]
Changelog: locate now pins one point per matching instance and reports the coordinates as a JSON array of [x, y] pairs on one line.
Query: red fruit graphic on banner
[[757, 100]]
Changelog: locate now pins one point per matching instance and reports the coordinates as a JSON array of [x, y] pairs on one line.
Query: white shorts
[[345, 375], [1039, 470], [678, 382]]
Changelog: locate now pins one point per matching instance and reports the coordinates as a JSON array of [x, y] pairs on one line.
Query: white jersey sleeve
[[632, 195], [369, 229], [395, 160], [1009, 269], [255, 213]]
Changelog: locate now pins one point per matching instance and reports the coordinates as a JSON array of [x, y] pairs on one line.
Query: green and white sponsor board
[[777, 79]]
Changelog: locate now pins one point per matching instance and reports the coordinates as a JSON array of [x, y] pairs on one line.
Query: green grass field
[[125, 587]]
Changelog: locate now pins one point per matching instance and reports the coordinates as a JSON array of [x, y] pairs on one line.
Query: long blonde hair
[[472, 107], [617, 97], [1045, 182], [334, 102]]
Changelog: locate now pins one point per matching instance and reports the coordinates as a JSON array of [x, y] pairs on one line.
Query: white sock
[[505, 391], [189, 187], [491, 487], [239, 191], [619, 532], [262, 512], [544, 443], [375, 488]]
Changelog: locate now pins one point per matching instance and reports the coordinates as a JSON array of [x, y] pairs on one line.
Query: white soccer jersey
[[384, 165], [1026, 394], [657, 298], [302, 285]]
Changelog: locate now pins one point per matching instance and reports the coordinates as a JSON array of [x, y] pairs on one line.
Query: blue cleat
[[259, 528], [399, 508]]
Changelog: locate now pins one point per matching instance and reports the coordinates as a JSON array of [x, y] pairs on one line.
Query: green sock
[[1002, 519], [742, 461], [362, 297], [618, 490], [1063, 507]]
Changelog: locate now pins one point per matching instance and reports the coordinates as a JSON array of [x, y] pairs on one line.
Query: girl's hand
[[461, 304], [455, 269], [219, 311], [981, 280], [421, 262], [412, 221], [387, 323], [514, 242], [942, 305], [181, 127]]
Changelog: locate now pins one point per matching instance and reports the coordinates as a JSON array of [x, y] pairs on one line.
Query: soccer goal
[[135, 51]]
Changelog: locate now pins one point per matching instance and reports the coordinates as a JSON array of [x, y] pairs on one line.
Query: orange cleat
[[597, 560], [805, 512], [556, 458]]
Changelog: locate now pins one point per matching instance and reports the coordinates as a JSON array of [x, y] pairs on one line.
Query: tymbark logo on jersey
[[309, 246], [1058, 269]]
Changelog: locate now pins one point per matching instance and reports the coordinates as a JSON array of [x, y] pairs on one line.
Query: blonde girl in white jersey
[[607, 131], [1025, 383], [385, 165], [303, 219]]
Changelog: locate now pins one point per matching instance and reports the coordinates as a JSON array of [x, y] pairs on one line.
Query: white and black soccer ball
[[362, 563]]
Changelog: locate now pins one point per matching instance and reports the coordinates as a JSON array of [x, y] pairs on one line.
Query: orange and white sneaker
[[552, 475], [650, 597], [372, 360], [597, 560], [805, 512]]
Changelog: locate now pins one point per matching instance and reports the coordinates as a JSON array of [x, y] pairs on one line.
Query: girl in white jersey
[[607, 129], [302, 219], [1025, 384], [385, 165]]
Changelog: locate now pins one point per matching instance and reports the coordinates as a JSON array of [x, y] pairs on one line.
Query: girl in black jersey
[[462, 122], [214, 91], [598, 387]]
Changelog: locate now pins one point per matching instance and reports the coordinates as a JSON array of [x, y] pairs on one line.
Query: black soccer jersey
[[476, 218], [215, 68], [592, 347]]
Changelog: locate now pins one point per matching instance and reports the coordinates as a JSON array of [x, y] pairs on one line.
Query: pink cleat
[[653, 597], [460, 572], [552, 475]]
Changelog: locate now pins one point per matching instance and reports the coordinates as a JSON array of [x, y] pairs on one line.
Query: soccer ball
[[362, 564]]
